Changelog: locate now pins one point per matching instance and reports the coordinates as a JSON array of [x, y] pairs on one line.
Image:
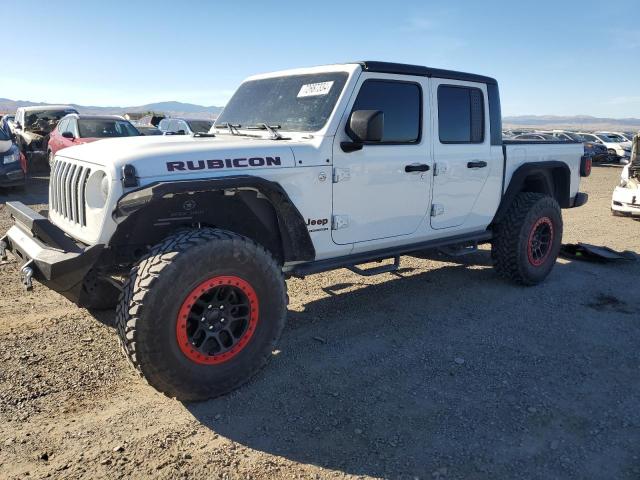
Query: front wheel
[[528, 239], [201, 314]]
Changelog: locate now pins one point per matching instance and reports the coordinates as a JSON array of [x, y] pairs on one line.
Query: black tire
[[160, 286], [516, 250], [98, 293]]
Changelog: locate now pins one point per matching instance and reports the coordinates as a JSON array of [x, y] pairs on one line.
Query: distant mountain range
[[180, 109], [173, 109], [578, 122]]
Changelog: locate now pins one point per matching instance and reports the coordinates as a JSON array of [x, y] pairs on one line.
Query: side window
[[62, 126], [172, 126], [401, 103], [164, 124], [460, 114], [73, 127]]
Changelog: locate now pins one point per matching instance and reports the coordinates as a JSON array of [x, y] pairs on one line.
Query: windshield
[[4, 134], [44, 121], [199, 126], [574, 136], [612, 138], [105, 128], [299, 103]]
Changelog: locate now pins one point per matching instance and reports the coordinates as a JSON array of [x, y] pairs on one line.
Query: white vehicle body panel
[[626, 196], [456, 188], [379, 198], [385, 205]]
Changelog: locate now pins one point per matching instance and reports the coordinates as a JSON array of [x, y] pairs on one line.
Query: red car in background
[[75, 129]]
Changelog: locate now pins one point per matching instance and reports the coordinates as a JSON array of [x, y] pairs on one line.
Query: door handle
[[419, 167], [477, 164]]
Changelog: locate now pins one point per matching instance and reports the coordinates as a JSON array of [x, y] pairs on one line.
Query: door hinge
[[341, 175], [339, 222], [437, 209], [439, 169]]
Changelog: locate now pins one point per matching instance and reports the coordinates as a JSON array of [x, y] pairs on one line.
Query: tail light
[[585, 165]]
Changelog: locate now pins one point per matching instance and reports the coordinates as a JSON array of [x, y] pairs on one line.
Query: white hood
[[178, 156]]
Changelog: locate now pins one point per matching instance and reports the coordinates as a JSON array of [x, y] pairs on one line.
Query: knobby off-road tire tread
[[505, 246], [147, 270]]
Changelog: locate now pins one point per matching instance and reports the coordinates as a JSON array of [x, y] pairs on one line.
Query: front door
[[461, 149], [383, 189]]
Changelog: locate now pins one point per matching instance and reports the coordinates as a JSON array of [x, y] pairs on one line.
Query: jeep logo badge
[[189, 204]]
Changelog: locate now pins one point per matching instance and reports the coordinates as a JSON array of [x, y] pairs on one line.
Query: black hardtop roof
[[406, 69]]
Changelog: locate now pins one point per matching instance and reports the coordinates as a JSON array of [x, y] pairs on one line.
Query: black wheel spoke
[[218, 319]]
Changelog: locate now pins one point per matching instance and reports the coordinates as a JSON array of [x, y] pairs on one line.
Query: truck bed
[[517, 152]]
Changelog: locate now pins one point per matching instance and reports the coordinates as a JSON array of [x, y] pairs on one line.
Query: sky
[[560, 57]]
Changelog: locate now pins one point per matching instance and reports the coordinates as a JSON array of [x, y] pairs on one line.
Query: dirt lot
[[441, 371]]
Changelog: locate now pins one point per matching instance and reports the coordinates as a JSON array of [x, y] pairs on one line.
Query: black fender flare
[[553, 174], [294, 235]]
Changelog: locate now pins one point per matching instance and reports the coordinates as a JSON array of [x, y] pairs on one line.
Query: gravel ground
[[440, 371]]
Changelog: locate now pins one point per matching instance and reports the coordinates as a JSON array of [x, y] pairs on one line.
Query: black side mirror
[[68, 135], [181, 132], [364, 126]]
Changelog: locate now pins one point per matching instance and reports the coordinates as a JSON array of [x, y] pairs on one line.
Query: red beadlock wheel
[[540, 241], [217, 320]]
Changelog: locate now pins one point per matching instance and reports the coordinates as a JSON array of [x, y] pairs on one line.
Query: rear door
[[374, 196], [461, 149]]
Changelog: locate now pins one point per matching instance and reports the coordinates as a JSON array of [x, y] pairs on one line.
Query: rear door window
[[460, 114]]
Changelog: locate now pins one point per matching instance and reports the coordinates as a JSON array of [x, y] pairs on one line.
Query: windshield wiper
[[233, 129], [272, 129]]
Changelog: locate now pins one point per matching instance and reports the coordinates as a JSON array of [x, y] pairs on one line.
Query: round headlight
[[97, 189], [104, 188]]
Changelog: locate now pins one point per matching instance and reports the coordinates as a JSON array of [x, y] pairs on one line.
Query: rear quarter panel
[[531, 152]]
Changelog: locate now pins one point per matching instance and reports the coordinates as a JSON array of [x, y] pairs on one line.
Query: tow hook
[[26, 274], [3, 249]]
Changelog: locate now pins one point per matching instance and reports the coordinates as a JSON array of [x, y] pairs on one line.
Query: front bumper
[[626, 200], [47, 253]]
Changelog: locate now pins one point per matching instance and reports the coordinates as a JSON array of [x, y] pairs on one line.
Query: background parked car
[[536, 136], [184, 126], [77, 129], [32, 127], [619, 150], [12, 164], [148, 130], [597, 152]]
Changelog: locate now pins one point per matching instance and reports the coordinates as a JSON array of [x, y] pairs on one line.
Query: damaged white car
[[626, 196]]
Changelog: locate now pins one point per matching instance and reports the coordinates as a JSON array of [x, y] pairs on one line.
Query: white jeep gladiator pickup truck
[[307, 170]]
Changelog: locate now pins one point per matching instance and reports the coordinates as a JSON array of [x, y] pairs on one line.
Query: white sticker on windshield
[[315, 89]]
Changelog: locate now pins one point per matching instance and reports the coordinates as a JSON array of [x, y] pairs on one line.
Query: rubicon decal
[[226, 163]]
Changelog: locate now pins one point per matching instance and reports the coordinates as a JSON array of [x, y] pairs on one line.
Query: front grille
[[67, 193]]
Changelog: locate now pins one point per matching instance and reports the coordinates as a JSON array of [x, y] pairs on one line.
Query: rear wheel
[[201, 314], [528, 239]]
